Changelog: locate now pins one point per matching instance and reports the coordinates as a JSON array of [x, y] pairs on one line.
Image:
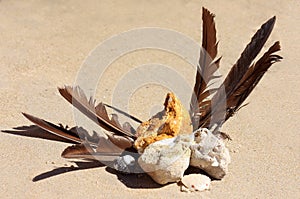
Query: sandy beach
[[44, 44]]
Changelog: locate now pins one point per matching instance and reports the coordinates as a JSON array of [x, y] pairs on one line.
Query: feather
[[78, 134], [206, 67], [121, 141], [106, 146], [248, 55], [251, 79], [97, 113], [54, 129], [84, 151], [77, 149]]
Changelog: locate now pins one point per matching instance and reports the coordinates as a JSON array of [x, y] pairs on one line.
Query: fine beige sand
[[43, 45]]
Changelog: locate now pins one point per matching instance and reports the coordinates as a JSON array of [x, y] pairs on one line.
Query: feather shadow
[[62, 170]]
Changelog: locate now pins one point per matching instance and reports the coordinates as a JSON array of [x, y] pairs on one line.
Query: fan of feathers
[[239, 83]]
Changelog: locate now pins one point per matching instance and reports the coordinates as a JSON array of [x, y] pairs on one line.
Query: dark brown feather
[[84, 151], [77, 149], [54, 129], [97, 113], [122, 142], [209, 41], [35, 131], [248, 55], [206, 67], [78, 134], [251, 79], [106, 146]]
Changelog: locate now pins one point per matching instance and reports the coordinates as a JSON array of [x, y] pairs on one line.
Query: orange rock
[[170, 122]]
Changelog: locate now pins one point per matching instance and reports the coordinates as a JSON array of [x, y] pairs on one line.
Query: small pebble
[[195, 182]]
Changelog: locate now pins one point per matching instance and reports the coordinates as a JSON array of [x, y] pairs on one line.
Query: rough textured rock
[[195, 182], [127, 163], [166, 160], [209, 154], [123, 163], [172, 121]]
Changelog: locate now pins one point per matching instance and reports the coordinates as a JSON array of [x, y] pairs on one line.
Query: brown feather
[[98, 114], [54, 129], [248, 55], [209, 41], [122, 142], [84, 151], [207, 66], [77, 149], [251, 79], [78, 134], [106, 146]]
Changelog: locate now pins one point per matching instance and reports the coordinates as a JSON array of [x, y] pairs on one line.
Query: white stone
[[123, 163], [195, 182], [166, 160], [209, 153]]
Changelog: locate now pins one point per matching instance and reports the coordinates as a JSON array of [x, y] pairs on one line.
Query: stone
[[124, 163], [209, 153], [194, 182], [166, 160], [172, 121], [127, 162]]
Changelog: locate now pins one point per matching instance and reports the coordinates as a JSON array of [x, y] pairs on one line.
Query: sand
[[43, 45]]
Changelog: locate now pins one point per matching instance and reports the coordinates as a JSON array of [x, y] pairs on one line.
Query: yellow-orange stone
[[170, 122]]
